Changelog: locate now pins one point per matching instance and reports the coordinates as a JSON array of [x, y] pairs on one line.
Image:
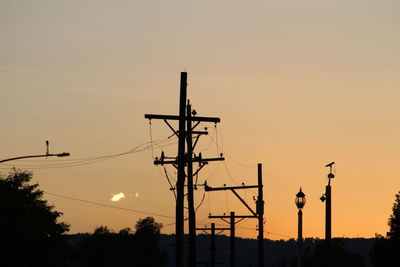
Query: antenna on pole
[[330, 175]]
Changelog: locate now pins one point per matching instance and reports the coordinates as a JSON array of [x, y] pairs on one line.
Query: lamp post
[[64, 154], [327, 197], [300, 202]]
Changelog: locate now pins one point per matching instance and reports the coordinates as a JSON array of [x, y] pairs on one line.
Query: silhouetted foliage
[[147, 242], [107, 248], [341, 257], [102, 231], [394, 220], [385, 252], [29, 231]]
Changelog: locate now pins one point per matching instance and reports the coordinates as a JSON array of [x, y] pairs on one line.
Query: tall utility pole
[[259, 213], [190, 197], [213, 247], [184, 158], [180, 181], [233, 247]]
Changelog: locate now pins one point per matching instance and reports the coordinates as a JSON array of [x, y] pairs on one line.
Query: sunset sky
[[297, 84]]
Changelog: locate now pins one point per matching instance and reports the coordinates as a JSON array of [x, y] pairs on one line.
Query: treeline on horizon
[[348, 251], [32, 235]]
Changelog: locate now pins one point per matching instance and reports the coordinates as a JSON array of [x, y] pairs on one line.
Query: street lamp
[[327, 197], [64, 154], [300, 202]]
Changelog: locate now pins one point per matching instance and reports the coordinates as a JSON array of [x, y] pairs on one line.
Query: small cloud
[[117, 197]]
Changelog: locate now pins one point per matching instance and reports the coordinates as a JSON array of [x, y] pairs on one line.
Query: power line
[[211, 141], [135, 148], [149, 213], [271, 233], [92, 160], [227, 154], [229, 174], [108, 206]]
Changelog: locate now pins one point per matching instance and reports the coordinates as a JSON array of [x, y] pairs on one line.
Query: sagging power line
[[95, 203], [147, 146], [108, 206]]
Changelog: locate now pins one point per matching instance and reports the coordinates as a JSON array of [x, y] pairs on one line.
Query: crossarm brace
[[244, 203]]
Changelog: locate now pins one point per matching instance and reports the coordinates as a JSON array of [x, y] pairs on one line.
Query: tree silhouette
[[29, 231], [385, 252], [107, 248], [147, 242], [394, 220], [341, 257]]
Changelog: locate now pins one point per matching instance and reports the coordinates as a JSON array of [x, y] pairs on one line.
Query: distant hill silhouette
[[278, 253]]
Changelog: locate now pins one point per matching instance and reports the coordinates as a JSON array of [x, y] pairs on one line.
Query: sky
[[297, 84]]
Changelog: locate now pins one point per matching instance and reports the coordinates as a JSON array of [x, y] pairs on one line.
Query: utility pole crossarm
[[209, 188], [200, 132], [227, 216], [157, 162], [176, 117], [207, 229]]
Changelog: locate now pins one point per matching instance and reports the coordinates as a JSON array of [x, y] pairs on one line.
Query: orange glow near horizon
[[296, 85]]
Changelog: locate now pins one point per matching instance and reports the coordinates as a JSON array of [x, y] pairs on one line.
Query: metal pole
[[180, 183], [190, 197], [300, 239], [260, 213], [213, 247], [328, 226], [233, 256]]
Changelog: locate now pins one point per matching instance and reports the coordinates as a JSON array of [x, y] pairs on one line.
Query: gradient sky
[[297, 84]]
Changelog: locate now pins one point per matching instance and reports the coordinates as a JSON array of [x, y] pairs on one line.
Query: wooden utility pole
[[190, 197], [259, 213], [180, 183], [185, 158], [213, 247], [233, 247], [232, 222]]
